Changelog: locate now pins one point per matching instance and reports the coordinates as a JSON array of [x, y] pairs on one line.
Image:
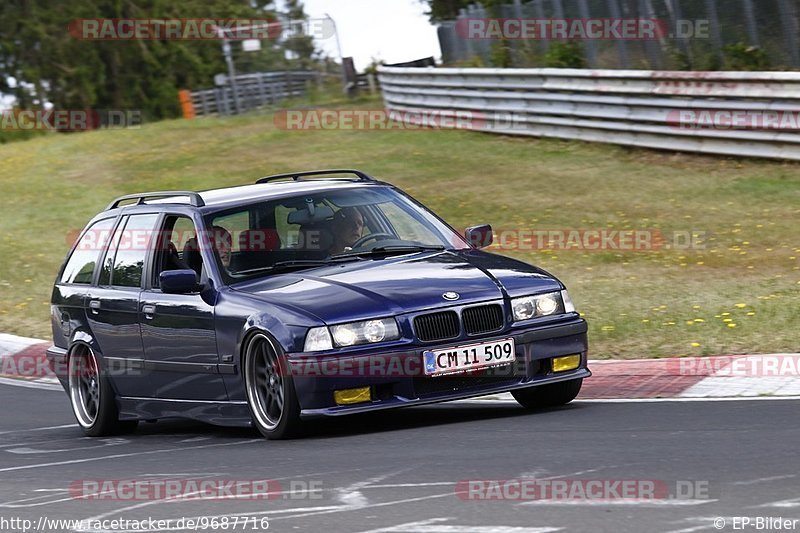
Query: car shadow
[[361, 424], [420, 417]]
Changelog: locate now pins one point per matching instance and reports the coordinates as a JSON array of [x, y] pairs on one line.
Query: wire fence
[[693, 35], [253, 91]]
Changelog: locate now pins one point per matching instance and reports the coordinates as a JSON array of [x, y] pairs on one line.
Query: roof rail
[[361, 176], [194, 198]]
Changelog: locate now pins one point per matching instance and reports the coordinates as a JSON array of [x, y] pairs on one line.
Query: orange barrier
[[187, 107]]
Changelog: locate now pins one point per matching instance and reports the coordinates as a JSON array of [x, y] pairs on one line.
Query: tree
[[441, 10], [300, 45], [50, 65]]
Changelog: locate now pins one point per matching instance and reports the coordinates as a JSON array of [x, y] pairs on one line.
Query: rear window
[[81, 264]]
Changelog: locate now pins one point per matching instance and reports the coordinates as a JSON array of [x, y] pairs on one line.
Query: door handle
[[95, 306], [149, 311]]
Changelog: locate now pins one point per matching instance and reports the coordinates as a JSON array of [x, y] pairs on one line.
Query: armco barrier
[[735, 113]]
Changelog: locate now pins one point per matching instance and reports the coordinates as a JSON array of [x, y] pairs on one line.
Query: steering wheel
[[366, 238]]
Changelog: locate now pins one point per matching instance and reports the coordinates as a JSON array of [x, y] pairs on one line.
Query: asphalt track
[[404, 471]]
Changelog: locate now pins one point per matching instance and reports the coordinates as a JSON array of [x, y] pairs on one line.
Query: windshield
[[323, 228]]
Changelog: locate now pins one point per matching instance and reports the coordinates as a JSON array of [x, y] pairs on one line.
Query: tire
[[270, 390], [548, 395], [92, 397]]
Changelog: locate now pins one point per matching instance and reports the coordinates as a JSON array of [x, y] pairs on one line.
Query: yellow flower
[[699, 320], [731, 325], [751, 314], [695, 344], [741, 306]]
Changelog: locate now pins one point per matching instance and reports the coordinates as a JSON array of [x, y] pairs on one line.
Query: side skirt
[[229, 414]]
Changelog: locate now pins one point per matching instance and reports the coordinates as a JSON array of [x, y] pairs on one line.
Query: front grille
[[437, 326], [483, 319], [424, 386]]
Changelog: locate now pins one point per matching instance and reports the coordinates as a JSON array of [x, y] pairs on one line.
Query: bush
[[741, 56], [567, 54]]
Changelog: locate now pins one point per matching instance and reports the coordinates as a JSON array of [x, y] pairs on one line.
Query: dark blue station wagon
[[307, 294]]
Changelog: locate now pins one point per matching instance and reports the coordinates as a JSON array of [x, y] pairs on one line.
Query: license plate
[[469, 357]]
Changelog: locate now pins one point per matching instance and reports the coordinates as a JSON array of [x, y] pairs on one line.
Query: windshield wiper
[[381, 251], [298, 264]]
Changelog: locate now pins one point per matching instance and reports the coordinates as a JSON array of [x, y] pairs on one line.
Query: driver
[[347, 227], [223, 244]]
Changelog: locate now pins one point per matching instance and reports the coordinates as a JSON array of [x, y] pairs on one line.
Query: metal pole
[[622, 46], [716, 35], [675, 13], [590, 45], [790, 29], [339, 50], [226, 51], [752, 25]]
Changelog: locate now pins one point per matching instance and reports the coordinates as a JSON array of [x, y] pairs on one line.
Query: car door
[[178, 334], [113, 304]]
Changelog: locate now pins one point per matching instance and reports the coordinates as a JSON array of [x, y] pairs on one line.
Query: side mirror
[[480, 236], [179, 281]]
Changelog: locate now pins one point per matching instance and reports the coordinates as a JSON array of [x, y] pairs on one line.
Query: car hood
[[396, 285]]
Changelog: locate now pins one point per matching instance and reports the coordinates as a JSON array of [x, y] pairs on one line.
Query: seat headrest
[[259, 240]]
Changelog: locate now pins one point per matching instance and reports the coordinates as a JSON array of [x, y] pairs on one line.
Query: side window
[[135, 241], [178, 248], [80, 267]]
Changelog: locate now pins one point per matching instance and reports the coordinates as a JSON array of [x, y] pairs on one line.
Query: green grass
[[639, 304]]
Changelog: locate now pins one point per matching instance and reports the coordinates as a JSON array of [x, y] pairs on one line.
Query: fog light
[[569, 362], [350, 396]]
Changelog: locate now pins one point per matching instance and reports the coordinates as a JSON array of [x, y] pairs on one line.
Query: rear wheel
[[551, 395], [92, 397], [270, 391]]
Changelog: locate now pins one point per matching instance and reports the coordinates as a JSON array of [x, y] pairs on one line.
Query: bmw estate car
[[304, 295]]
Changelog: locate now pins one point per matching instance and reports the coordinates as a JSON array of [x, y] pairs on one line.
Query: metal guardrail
[[253, 91], [734, 113]]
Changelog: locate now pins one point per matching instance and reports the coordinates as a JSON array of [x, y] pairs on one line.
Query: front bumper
[[396, 378]]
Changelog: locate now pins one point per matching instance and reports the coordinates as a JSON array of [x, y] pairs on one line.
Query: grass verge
[[734, 292]]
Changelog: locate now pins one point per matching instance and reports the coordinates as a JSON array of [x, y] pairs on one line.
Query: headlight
[[540, 305], [354, 333]]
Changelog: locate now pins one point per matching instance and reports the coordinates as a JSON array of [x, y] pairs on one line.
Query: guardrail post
[[262, 97]]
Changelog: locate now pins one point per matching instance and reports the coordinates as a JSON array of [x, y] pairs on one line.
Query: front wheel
[[92, 397], [270, 390], [551, 395]]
